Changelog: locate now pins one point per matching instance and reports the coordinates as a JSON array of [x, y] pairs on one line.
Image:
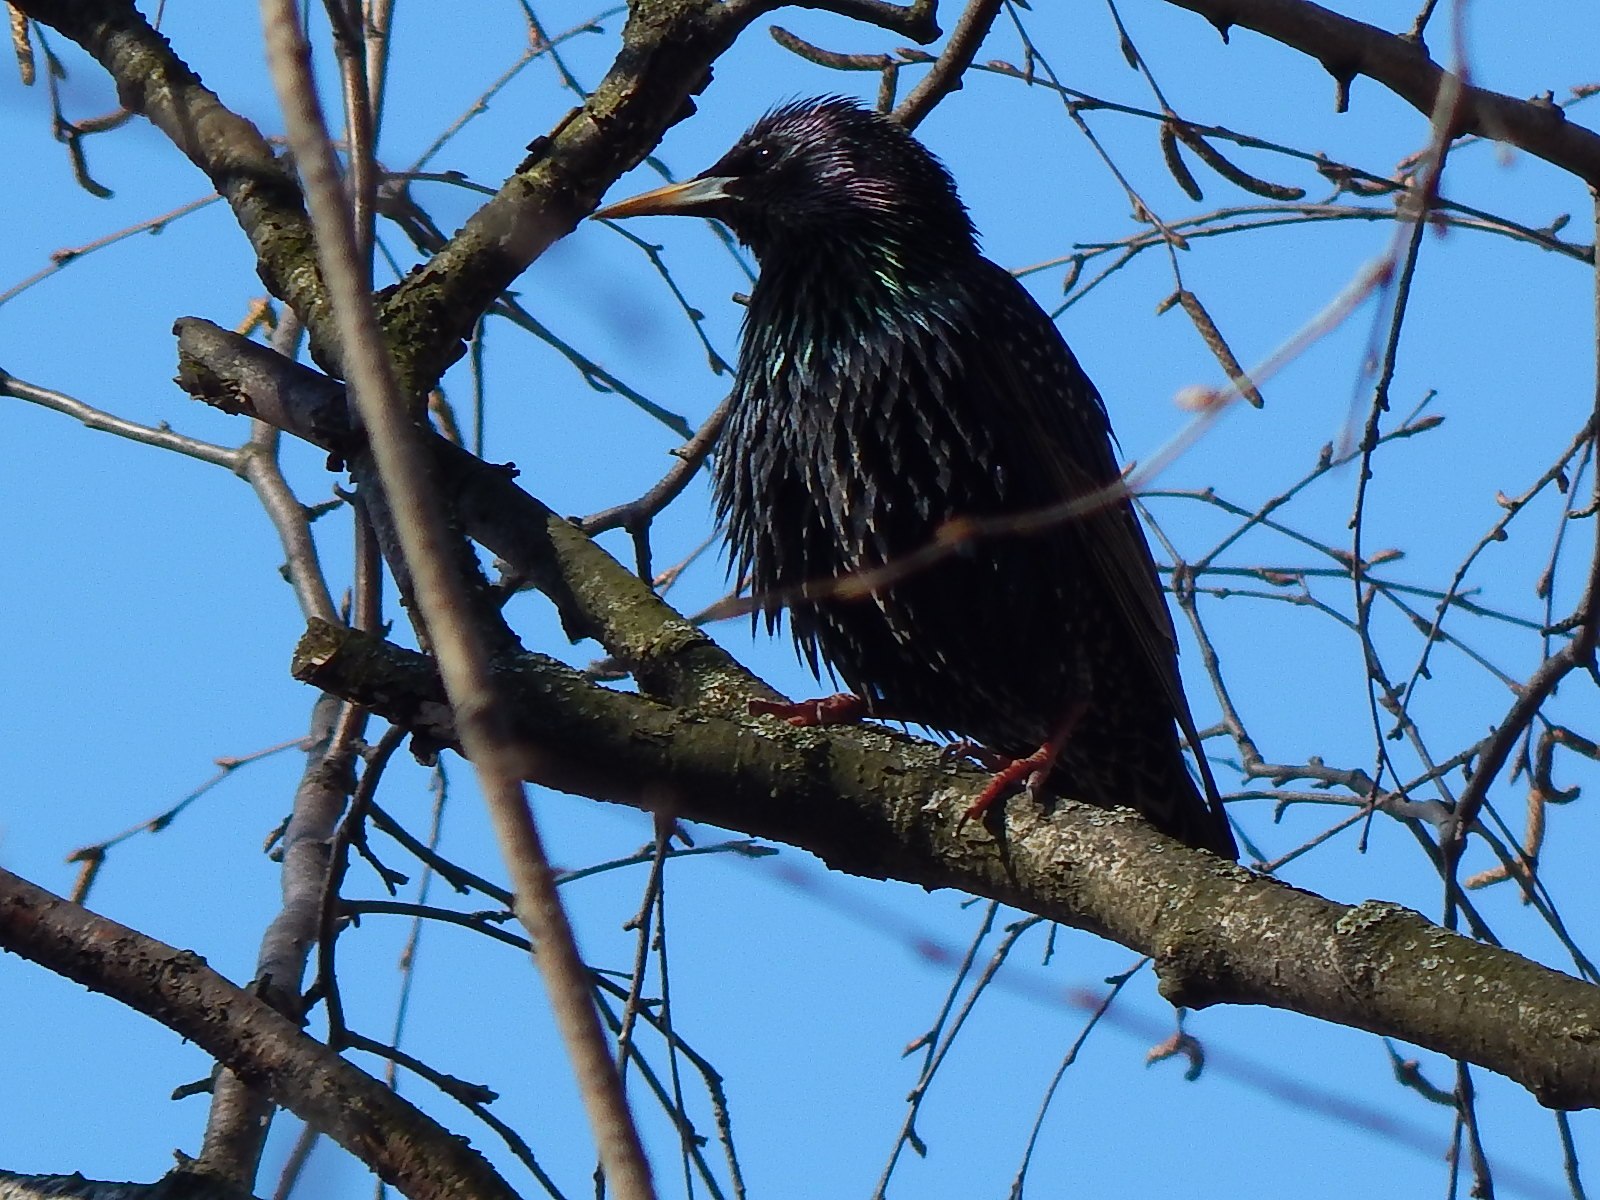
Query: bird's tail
[[1121, 768]]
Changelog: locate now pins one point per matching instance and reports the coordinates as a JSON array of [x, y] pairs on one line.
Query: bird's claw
[[841, 708], [1017, 772], [1030, 773], [966, 748]]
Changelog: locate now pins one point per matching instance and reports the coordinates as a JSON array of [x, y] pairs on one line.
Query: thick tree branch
[[879, 804], [668, 47], [175, 987], [179, 1185], [1347, 48], [917, 20], [667, 50], [950, 68], [859, 798]]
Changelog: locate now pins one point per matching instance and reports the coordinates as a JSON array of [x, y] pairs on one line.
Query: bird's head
[[821, 174]]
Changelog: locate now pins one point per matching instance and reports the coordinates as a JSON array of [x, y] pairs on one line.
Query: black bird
[[892, 379]]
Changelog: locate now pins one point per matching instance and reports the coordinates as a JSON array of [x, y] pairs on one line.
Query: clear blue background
[[147, 630]]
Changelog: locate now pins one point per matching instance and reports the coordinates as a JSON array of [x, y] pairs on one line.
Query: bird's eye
[[763, 156]]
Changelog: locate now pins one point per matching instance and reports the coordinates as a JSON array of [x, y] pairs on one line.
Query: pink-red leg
[[1030, 772], [841, 708]]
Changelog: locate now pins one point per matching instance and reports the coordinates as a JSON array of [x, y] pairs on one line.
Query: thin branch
[[61, 259], [98, 419], [939, 1038], [1348, 48], [636, 515], [1118, 982], [640, 512], [93, 856], [261, 468], [431, 551]]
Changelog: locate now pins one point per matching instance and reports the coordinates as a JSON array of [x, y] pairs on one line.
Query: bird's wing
[[1043, 396]]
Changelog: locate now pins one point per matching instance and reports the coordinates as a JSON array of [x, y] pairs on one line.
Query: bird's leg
[[1030, 772], [841, 708]]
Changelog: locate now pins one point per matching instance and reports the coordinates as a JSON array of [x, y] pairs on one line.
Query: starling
[[891, 379]]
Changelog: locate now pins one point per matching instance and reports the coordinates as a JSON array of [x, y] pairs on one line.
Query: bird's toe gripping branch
[[1030, 772], [841, 708]]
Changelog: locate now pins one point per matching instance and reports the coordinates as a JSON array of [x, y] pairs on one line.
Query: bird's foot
[[1009, 775], [1030, 772], [841, 708], [966, 748]]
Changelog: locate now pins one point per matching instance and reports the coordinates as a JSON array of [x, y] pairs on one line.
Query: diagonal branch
[[444, 590], [595, 595], [1347, 48], [950, 68], [175, 987], [107, 422]]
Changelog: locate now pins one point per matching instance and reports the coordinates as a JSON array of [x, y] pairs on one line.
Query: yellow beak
[[696, 196]]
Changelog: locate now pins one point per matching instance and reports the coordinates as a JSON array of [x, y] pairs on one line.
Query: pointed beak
[[701, 196]]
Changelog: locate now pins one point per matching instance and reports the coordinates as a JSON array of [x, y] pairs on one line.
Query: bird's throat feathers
[[856, 287]]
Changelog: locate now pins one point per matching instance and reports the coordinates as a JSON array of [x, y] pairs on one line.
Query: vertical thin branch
[[1467, 1106], [1569, 1157], [1369, 445], [236, 1126], [347, 19], [377, 21], [443, 599], [360, 130]]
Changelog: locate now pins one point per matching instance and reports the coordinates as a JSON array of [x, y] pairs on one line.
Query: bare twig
[[1579, 652], [430, 554], [636, 515], [95, 418], [1349, 48], [61, 259], [945, 76]]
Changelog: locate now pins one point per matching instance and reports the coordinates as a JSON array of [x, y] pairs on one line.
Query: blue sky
[[149, 632]]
